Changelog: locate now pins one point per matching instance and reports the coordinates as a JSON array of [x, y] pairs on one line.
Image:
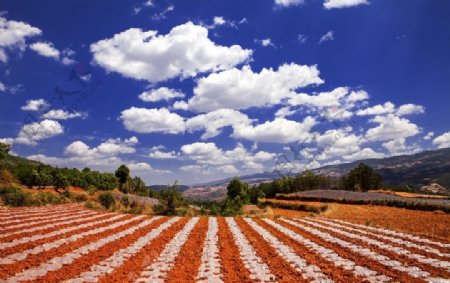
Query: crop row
[[86, 246]]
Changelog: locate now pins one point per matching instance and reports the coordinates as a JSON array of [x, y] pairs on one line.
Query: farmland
[[72, 244]]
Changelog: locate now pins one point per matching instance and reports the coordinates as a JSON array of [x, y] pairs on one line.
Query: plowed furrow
[[309, 271], [47, 228], [12, 213], [110, 264], [23, 245], [130, 270], [412, 263], [70, 264], [332, 265], [209, 270], [361, 256], [443, 247], [188, 260], [157, 271], [278, 266], [231, 266], [37, 224], [32, 217], [39, 258], [412, 247], [258, 269]]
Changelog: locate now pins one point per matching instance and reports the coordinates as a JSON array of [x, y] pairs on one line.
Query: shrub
[[13, 196], [91, 190], [89, 204], [107, 200], [125, 201], [79, 197]]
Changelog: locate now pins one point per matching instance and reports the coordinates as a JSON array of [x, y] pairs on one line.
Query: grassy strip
[[380, 202], [295, 206]]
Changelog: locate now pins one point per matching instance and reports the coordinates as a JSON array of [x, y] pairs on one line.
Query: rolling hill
[[413, 170]]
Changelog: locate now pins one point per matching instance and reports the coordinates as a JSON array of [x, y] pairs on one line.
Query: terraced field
[[71, 244]]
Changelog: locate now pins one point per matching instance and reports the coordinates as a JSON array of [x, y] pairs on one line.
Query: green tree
[[4, 150], [236, 188], [60, 181], [361, 178], [122, 173]]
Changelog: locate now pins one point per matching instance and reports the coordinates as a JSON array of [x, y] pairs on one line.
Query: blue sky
[[203, 90]]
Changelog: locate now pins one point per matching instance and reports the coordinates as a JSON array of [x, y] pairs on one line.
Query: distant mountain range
[[413, 170]]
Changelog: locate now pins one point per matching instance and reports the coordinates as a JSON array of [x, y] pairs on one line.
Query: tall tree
[[4, 150], [122, 173]]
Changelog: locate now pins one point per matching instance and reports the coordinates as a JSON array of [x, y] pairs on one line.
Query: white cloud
[[332, 4], [110, 147], [428, 136], [365, 153], [60, 114], [329, 36], [323, 99], [408, 109], [389, 107], [279, 130], [162, 93], [2, 87], [31, 133], [391, 127], [284, 112], [214, 121], [45, 49], [35, 105], [163, 155], [184, 52], [13, 34], [265, 42], [210, 154], [287, 3], [228, 169], [145, 167], [144, 120], [162, 15], [379, 109], [337, 143], [442, 141], [399, 147], [242, 88]]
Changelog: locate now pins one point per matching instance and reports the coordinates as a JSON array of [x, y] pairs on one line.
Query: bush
[[107, 200], [91, 190], [13, 196], [89, 204], [43, 198], [125, 201]]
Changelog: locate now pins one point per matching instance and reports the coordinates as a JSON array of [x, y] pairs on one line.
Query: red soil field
[[96, 246]]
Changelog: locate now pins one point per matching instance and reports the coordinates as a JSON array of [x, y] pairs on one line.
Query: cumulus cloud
[[162, 93], [365, 153], [157, 154], [379, 109], [389, 107], [287, 3], [214, 121], [2, 87], [45, 49], [185, 51], [408, 109], [391, 127], [329, 36], [31, 133], [428, 136], [279, 130], [60, 114], [14, 35], [35, 105], [333, 4], [399, 147], [143, 120], [110, 147], [243, 88], [442, 141]]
